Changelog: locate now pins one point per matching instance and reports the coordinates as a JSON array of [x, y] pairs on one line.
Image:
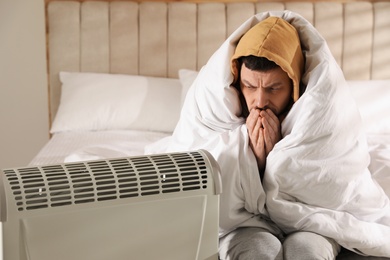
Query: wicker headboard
[[158, 39]]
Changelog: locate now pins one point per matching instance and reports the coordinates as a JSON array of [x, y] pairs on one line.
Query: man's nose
[[261, 99]]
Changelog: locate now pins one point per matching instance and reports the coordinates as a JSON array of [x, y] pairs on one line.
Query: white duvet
[[317, 176]]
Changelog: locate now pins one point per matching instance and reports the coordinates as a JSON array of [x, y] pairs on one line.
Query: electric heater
[[162, 206]]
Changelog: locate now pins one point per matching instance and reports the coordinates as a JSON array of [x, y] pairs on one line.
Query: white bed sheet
[[88, 145], [379, 148]]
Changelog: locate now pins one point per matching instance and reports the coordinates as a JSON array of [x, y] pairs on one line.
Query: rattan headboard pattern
[[158, 39]]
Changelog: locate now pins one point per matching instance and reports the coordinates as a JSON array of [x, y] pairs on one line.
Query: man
[[267, 94], [293, 167]]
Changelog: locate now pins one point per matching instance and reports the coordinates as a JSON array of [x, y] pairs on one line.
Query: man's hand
[[272, 132], [264, 132], [256, 136]]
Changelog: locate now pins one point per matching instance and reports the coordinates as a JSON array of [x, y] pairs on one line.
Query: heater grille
[[88, 182]]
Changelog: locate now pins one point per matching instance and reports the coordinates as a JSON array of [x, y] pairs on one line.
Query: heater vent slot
[[89, 182]]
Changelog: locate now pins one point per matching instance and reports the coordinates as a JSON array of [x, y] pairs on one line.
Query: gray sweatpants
[[256, 243]]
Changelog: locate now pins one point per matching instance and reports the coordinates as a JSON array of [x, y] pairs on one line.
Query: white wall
[[23, 82]]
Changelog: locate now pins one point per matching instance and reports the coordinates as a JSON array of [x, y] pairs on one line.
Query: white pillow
[[373, 100], [98, 101], [187, 77]]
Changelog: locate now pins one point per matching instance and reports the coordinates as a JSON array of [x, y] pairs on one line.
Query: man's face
[[271, 89]]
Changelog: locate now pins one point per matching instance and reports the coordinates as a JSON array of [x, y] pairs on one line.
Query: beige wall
[[23, 83]]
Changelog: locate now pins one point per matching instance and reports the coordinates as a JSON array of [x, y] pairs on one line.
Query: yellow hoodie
[[276, 40]]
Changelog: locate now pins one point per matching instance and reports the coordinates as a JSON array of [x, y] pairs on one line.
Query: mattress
[[93, 145]]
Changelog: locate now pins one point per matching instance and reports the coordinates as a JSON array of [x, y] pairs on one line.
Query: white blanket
[[316, 177]]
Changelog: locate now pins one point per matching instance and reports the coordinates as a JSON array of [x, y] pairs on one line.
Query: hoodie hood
[[278, 41]]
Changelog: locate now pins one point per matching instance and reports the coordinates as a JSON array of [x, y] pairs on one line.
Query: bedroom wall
[[23, 83]]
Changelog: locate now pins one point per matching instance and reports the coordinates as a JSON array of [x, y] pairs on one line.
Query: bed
[[119, 71], [157, 45]]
